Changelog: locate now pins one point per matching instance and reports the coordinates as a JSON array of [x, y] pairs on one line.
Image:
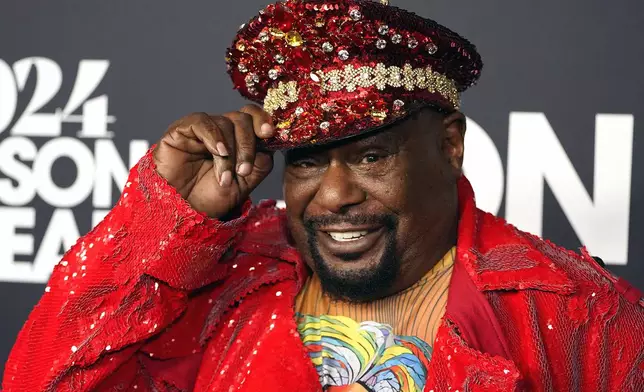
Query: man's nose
[[338, 190]]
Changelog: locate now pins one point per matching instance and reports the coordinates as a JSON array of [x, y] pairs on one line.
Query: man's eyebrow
[[389, 137]]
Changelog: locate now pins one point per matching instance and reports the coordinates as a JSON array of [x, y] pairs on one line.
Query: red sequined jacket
[[161, 298]]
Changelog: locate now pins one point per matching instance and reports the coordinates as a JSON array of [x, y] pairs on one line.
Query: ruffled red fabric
[[161, 298]]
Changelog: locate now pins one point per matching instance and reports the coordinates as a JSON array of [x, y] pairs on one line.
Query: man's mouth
[[354, 241], [348, 235]]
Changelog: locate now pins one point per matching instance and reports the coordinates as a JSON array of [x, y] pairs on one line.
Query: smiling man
[[380, 275]]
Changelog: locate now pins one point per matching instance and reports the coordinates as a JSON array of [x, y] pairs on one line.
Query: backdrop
[[555, 141]]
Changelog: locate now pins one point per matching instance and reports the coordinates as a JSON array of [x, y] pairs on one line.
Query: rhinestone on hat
[[343, 55], [396, 39], [327, 47], [432, 48], [381, 44], [383, 30], [355, 14], [273, 74], [279, 58]]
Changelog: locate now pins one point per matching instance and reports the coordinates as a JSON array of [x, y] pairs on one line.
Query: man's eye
[[304, 164], [370, 158]]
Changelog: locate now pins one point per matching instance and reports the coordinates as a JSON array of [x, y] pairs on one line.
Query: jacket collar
[[498, 256]]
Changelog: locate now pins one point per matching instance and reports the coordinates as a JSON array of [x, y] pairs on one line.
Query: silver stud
[[327, 47], [273, 74], [381, 44], [412, 43], [432, 48], [278, 294], [279, 58], [108, 347], [396, 39], [48, 289], [74, 349], [343, 55], [355, 14], [383, 30]]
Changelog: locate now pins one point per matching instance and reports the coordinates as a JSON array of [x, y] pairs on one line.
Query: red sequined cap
[[327, 70]]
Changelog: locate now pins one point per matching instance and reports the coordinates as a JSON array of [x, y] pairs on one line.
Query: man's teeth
[[348, 236]]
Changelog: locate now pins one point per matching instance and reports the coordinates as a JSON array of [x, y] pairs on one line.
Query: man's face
[[370, 214]]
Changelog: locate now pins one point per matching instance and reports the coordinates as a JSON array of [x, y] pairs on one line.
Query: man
[[380, 275]]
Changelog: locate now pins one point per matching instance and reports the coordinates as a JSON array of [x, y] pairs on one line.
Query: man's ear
[[453, 143]]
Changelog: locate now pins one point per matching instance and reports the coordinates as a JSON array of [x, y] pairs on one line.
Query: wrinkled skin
[[396, 186]]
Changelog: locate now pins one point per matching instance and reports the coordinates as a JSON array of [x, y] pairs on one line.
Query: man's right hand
[[212, 160]]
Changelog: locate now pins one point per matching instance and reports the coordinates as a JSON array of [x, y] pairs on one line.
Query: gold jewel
[[284, 124], [293, 38], [379, 114], [277, 33]]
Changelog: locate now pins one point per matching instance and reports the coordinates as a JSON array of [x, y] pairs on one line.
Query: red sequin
[[321, 35]]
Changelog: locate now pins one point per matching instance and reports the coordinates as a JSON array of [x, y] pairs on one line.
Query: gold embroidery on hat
[[280, 97], [382, 76]]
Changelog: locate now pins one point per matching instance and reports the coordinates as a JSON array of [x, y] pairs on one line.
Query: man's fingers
[[245, 141], [262, 121], [222, 130], [262, 168]]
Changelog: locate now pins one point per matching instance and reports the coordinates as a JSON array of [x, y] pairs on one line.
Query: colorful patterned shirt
[[378, 346]]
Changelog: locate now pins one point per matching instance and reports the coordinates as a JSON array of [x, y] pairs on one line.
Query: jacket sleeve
[[117, 289]]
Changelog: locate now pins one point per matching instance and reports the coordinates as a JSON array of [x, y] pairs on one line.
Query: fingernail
[[226, 178], [244, 169], [221, 149], [267, 129]]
